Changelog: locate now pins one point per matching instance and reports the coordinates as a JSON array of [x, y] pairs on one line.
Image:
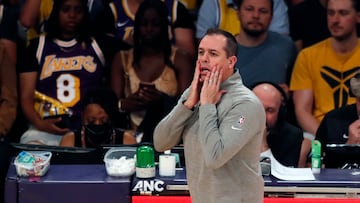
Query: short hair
[[231, 43], [238, 4], [355, 3]]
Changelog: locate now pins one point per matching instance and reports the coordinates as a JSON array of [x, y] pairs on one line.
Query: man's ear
[[232, 61], [358, 17]]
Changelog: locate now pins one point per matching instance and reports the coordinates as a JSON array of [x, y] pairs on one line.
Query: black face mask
[[95, 135]]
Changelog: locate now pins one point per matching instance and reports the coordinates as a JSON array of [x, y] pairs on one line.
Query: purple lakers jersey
[[68, 69]]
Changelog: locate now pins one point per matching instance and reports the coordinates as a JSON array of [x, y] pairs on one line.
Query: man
[[342, 125], [283, 139], [221, 123], [222, 14], [322, 72], [262, 55]]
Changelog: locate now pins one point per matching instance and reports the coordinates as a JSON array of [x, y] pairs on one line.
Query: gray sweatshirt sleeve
[[168, 132], [221, 140]]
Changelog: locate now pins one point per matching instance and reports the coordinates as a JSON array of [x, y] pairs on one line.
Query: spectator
[[320, 80], [100, 112], [180, 21], [222, 14], [62, 64], [262, 55], [282, 138], [148, 78], [342, 125]]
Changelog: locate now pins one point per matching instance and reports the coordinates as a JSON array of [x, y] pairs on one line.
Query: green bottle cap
[[145, 157]]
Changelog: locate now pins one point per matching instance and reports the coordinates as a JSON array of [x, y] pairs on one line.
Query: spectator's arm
[[184, 68], [27, 89], [8, 97], [184, 30], [30, 12], [117, 76], [303, 101], [68, 140], [184, 38]]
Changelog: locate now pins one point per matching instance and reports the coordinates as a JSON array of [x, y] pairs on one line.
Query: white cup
[[167, 164]]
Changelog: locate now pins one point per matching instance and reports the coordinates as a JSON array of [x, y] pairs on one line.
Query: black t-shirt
[[285, 144], [334, 127]]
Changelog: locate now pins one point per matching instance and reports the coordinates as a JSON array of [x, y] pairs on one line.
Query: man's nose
[[335, 17], [204, 58], [255, 14]]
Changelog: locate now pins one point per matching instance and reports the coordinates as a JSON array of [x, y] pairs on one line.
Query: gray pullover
[[222, 144]]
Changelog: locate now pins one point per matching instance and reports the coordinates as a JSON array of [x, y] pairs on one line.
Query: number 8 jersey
[[66, 69]]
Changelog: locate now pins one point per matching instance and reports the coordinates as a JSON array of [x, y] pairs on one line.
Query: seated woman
[[99, 115], [148, 78]]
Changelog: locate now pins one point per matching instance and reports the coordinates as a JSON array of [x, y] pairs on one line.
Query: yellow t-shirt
[[320, 69]]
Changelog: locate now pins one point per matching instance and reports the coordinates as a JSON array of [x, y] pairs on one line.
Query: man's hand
[[210, 91], [194, 94], [354, 133]]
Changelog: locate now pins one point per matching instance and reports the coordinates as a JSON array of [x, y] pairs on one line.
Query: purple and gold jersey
[[68, 69], [124, 18]]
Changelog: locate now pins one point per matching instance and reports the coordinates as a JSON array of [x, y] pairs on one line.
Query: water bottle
[[315, 156]]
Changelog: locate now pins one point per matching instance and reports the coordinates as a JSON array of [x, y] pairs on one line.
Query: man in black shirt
[[342, 125], [281, 137]]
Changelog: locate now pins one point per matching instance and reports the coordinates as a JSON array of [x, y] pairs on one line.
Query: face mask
[[95, 135]]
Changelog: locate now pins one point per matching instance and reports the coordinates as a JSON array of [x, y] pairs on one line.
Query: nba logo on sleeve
[[239, 123]]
